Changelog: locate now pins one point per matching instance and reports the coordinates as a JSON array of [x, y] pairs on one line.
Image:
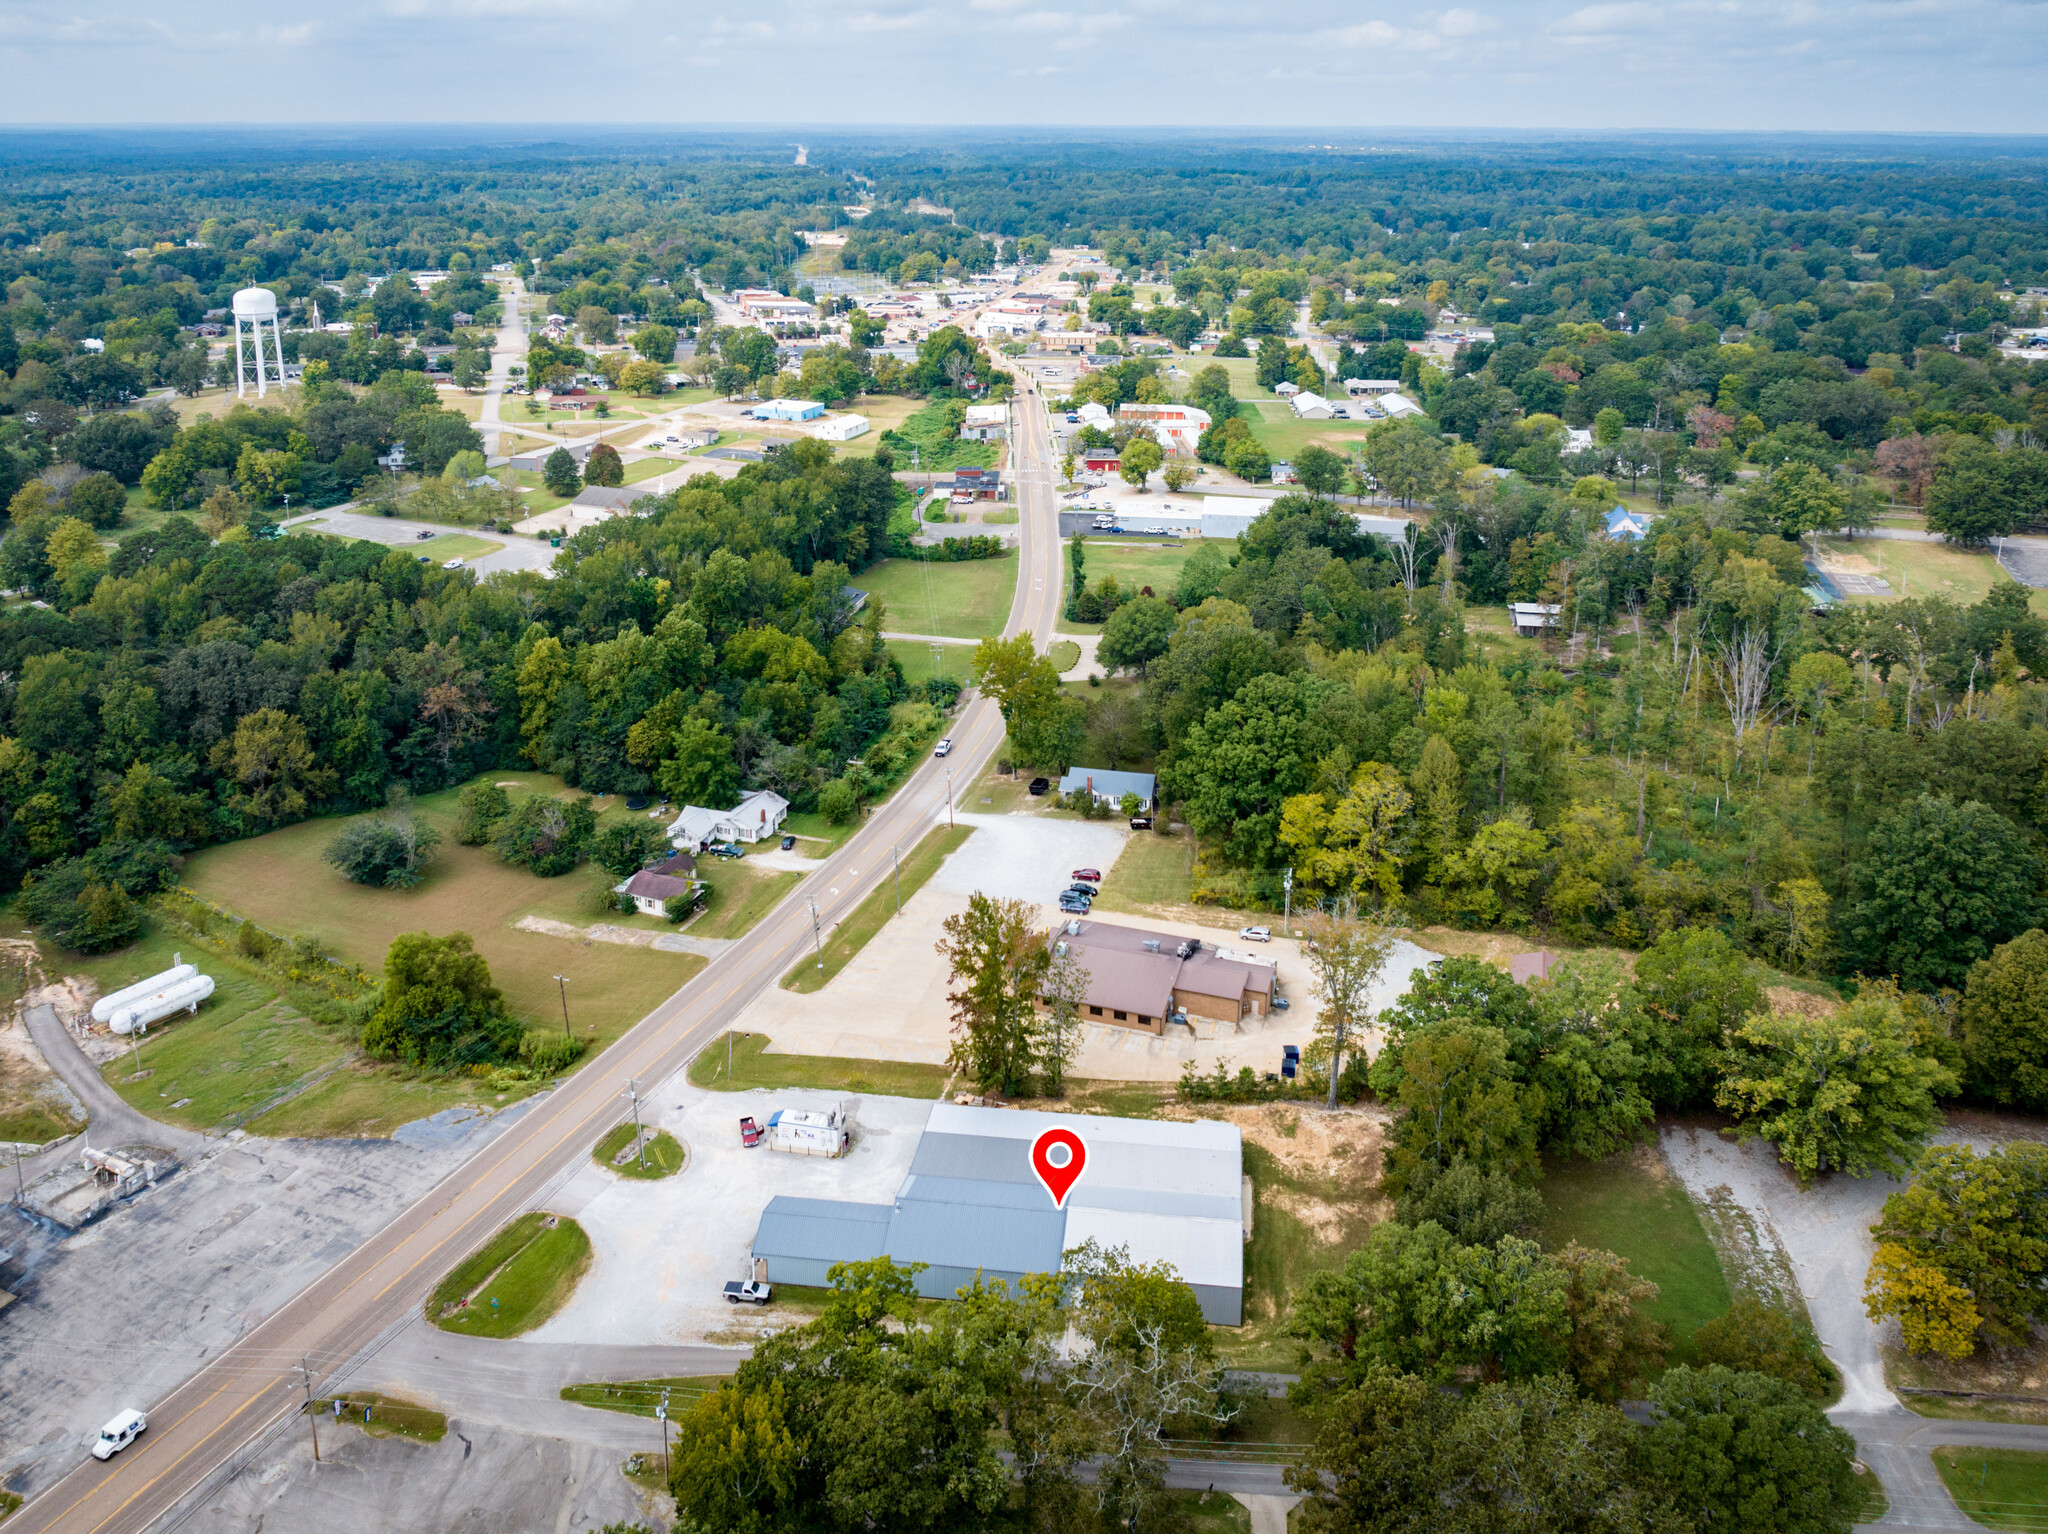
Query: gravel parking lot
[[125, 1310]]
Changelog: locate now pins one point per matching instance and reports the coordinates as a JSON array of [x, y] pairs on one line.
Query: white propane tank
[[107, 1006], [179, 996]]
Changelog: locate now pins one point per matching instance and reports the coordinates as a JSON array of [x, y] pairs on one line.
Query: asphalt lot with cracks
[[125, 1310]]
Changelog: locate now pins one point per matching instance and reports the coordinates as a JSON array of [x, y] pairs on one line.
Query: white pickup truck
[[748, 1292]]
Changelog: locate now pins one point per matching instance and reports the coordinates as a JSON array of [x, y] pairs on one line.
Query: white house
[[1286, 388], [758, 815], [840, 428], [984, 423], [1310, 406]]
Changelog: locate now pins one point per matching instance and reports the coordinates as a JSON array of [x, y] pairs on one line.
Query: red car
[[1092, 875]]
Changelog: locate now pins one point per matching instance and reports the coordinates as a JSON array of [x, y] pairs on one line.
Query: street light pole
[[633, 1091], [562, 985]]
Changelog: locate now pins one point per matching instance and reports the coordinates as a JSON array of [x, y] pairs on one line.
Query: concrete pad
[[663, 1250], [1269, 1514]]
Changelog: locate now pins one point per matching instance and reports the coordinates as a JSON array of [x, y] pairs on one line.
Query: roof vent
[[1151, 945], [1182, 952]]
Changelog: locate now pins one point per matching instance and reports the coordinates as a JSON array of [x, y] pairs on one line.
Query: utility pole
[[661, 1412], [817, 939], [896, 853], [135, 1039], [312, 1420], [562, 985], [1287, 910], [633, 1091], [949, 796]]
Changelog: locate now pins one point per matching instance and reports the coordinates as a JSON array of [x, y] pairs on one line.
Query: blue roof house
[[1629, 526]]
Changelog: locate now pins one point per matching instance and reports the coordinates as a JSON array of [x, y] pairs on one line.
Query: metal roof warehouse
[[1171, 1192]]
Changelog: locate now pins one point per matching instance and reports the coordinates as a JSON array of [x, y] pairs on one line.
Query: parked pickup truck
[[748, 1292]]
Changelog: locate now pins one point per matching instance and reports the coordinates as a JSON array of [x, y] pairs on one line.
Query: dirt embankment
[[34, 1105]]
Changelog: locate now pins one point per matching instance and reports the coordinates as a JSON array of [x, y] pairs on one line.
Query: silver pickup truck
[[748, 1292]]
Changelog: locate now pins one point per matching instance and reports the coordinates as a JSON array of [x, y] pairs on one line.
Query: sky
[[1964, 66]]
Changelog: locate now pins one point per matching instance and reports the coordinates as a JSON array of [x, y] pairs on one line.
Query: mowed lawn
[[1138, 565], [1931, 570], [1999, 1488], [1283, 435], [1629, 1205], [280, 881], [959, 599], [920, 664]]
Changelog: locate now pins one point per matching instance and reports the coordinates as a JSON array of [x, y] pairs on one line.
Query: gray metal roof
[[994, 1239], [822, 1228]]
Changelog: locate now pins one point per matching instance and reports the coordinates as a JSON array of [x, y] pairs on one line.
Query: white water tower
[[253, 306]]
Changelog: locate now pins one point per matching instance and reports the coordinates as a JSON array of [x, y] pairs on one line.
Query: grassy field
[[638, 1398], [1631, 1206], [751, 1068], [455, 546], [1999, 1488], [1137, 565], [1283, 435], [1152, 870], [663, 1155], [466, 889], [960, 599], [1064, 654], [1493, 635], [740, 896], [389, 1417], [514, 1281], [873, 913], [925, 430], [1212, 1512], [919, 663], [1930, 570], [1285, 1249], [885, 412]]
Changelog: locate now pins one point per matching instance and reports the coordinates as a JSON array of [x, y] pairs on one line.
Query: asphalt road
[[350, 1310]]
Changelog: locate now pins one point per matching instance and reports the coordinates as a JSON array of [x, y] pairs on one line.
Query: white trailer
[[104, 1009], [179, 996]]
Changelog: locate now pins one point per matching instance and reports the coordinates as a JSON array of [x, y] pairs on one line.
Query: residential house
[[984, 423], [1397, 405], [1369, 386], [1287, 388], [1283, 473], [1109, 785], [651, 891], [759, 814], [1627, 526], [1532, 618]]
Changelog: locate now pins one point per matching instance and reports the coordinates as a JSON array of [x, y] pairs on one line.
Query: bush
[[480, 807], [549, 1052], [625, 846], [253, 941], [439, 1007], [383, 850], [677, 908], [1760, 1339], [89, 904], [547, 836], [836, 802]]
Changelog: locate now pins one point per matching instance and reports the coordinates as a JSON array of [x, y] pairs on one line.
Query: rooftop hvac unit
[[1151, 945]]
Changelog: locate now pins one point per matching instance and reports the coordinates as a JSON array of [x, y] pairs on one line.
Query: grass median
[[873, 913], [1999, 1488], [383, 1416], [638, 1398], [663, 1156], [752, 1067], [515, 1281]]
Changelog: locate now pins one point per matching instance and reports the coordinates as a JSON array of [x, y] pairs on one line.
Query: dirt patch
[[1493, 947], [1790, 1003], [1834, 562], [1337, 1154], [2007, 1384], [1984, 1124]]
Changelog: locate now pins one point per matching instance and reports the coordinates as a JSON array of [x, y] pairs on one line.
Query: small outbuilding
[[1110, 786]]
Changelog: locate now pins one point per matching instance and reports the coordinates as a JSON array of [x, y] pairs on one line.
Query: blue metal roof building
[[971, 1204], [1109, 784]]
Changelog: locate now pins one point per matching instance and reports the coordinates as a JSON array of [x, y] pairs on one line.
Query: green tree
[[1141, 457], [1459, 1101], [479, 808], [603, 467], [391, 851], [1746, 1452], [735, 1464], [1477, 1208], [1137, 634], [657, 343], [1613, 1344], [2003, 1022], [1981, 1223], [98, 499], [272, 766], [545, 835], [1801, 499], [560, 474], [438, 1006], [1939, 886], [1849, 1092], [1756, 1338], [625, 845], [997, 961], [600, 326], [1319, 471], [1694, 988]]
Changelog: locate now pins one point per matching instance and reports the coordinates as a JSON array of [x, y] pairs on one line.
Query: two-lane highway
[[254, 1384]]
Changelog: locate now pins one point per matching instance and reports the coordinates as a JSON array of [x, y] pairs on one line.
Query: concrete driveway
[[403, 533], [663, 1250]]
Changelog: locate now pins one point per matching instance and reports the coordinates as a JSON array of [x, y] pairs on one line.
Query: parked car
[[451, 564], [1075, 905], [750, 1133], [724, 850], [944, 747], [119, 1433], [788, 842], [1085, 891], [1039, 786], [1141, 822], [1092, 875], [748, 1292], [1281, 1004], [424, 534], [1256, 934]]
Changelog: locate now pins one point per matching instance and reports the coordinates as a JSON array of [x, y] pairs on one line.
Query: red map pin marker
[[1058, 1157]]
